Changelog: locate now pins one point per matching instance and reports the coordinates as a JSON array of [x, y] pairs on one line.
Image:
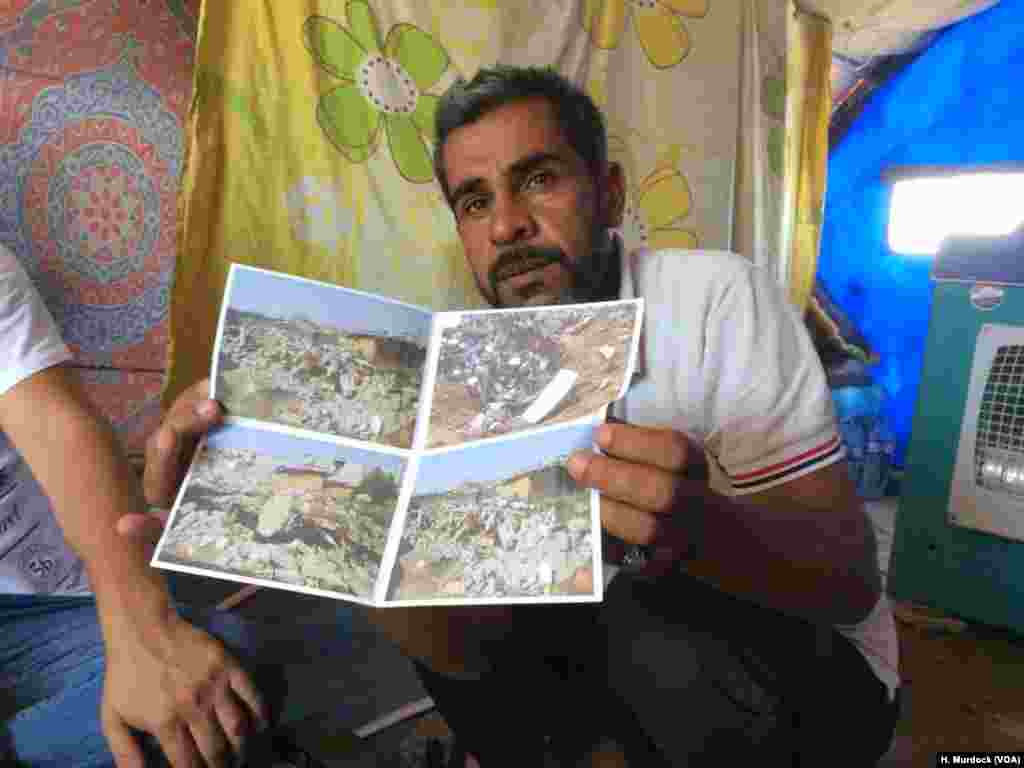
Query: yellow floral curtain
[[808, 108], [311, 126], [757, 221]]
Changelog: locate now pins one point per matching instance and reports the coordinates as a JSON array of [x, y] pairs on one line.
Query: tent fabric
[[866, 29], [868, 34], [955, 104]]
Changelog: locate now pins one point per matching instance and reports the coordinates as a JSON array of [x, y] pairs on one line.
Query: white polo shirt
[[34, 557], [726, 359]]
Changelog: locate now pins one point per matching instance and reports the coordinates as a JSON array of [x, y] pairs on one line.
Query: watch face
[[628, 556], [636, 557]]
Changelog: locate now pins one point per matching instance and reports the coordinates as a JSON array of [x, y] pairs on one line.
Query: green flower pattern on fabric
[[381, 85]]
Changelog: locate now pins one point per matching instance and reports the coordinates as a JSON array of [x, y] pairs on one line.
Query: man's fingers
[[639, 485], [211, 740], [164, 466], [179, 749], [193, 412], [627, 522], [636, 526], [234, 721], [144, 527], [243, 687], [666, 449], [188, 418], [169, 448], [126, 751]]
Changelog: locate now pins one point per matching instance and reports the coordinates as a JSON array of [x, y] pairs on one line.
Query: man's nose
[[511, 221]]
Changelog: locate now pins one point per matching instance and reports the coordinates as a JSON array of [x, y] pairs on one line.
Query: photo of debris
[[319, 357], [504, 372], [502, 521], [297, 512]]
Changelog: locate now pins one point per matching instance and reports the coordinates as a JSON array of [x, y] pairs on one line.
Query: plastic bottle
[[870, 445], [850, 408], [877, 460], [855, 439]]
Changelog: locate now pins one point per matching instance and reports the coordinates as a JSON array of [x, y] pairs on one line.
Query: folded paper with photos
[[378, 452]]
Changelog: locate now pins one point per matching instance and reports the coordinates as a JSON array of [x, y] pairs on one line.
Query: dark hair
[[466, 102]]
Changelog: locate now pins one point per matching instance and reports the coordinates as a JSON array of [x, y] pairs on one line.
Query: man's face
[[528, 209]]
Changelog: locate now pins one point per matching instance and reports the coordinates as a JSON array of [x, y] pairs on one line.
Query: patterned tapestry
[[311, 130], [93, 94]]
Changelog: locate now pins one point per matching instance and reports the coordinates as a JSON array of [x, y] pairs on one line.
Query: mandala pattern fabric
[[129, 399], [92, 100]]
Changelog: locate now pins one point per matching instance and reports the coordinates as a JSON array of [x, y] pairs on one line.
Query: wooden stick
[[404, 712], [240, 596]]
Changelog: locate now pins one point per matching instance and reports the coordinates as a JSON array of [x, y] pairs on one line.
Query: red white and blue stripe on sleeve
[[824, 453]]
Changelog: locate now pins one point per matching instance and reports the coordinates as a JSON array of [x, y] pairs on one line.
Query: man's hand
[[805, 547], [173, 680], [169, 451], [180, 685], [170, 448], [646, 480]]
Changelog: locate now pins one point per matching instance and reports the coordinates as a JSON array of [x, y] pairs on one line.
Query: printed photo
[[298, 512], [321, 358], [505, 372], [499, 520]]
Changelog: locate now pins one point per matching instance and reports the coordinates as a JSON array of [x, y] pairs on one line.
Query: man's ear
[[614, 195]]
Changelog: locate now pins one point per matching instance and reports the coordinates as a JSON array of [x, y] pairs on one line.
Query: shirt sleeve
[[29, 338], [770, 416]]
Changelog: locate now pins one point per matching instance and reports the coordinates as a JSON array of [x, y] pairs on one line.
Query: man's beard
[[596, 280]]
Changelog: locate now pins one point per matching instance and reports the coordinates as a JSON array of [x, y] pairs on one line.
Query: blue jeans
[[52, 668]]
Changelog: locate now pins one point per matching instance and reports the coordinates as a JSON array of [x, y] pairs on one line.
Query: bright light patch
[[925, 211]]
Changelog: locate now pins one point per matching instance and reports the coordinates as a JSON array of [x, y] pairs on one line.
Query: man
[[97, 665], [758, 629]]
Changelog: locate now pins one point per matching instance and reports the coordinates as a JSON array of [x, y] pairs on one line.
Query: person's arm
[[785, 527], [804, 548], [163, 675], [76, 460]]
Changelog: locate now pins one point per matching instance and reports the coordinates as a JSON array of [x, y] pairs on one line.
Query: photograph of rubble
[[262, 506], [500, 522], [501, 372], [314, 356]]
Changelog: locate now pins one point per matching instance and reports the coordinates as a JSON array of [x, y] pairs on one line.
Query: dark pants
[[678, 674]]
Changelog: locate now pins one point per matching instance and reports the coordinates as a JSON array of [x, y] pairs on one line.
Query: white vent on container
[[988, 481]]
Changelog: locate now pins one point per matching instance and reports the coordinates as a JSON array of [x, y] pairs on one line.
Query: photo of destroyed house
[[348, 372], [500, 373], [475, 531], [317, 522]]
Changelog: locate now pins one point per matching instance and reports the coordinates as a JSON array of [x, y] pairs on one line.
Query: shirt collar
[[627, 290]]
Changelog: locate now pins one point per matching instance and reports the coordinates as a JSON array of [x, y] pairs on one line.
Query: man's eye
[[473, 207], [540, 179]]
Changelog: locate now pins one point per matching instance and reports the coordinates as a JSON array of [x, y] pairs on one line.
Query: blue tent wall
[[961, 102]]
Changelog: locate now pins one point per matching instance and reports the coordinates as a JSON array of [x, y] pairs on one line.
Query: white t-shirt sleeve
[[769, 409], [29, 338]]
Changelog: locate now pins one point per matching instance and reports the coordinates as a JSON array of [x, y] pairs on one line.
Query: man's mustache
[[521, 259]]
